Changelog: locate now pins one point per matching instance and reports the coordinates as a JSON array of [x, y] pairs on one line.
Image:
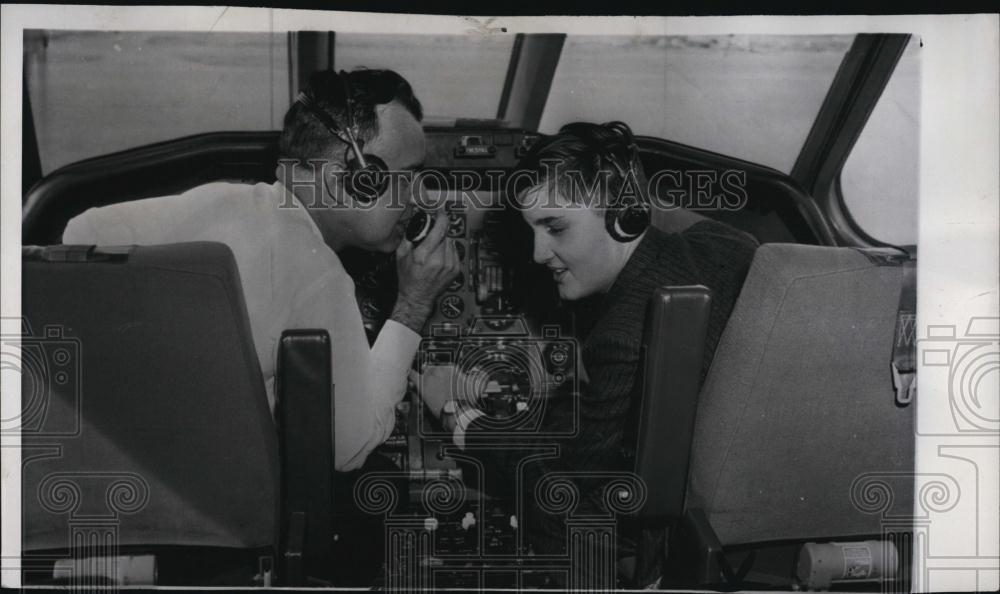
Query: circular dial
[[503, 389], [456, 224], [369, 308], [499, 313], [557, 357], [497, 379], [451, 306]]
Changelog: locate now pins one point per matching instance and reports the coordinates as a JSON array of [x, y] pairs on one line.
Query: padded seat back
[[673, 347], [799, 401], [150, 410]]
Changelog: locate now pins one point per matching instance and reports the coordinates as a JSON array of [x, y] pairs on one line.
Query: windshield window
[[749, 96], [721, 93], [454, 76], [164, 85]]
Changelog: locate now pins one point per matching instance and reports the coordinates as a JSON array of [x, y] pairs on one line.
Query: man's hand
[[438, 384], [424, 271]]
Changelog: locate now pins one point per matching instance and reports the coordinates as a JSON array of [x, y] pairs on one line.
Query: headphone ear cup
[[628, 223], [634, 220], [366, 184]]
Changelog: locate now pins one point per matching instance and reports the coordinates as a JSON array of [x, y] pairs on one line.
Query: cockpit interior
[[786, 467]]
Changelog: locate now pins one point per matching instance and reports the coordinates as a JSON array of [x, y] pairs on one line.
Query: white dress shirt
[[291, 279]]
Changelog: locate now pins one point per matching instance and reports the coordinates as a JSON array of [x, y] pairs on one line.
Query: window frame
[[854, 92]]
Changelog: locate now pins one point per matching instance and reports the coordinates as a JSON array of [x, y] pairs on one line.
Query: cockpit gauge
[[451, 306], [498, 311], [456, 224], [556, 357]]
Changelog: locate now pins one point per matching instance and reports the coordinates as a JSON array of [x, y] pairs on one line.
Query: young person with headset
[[339, 139], [600, 247]]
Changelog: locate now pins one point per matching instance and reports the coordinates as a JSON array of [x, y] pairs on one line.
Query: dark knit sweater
[[708, 253]]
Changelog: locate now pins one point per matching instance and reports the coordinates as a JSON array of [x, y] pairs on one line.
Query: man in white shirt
[[285, 236]]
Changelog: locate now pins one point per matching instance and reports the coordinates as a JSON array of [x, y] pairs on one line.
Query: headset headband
[[347, 136], [621, 129]]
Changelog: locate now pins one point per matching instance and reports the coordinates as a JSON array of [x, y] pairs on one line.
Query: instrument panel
[[511, 364], [509, 360]]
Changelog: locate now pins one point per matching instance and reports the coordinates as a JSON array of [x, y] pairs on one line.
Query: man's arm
[[388, 370], [370, 382], [359, 414]]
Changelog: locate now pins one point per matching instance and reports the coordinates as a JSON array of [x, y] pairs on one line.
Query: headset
[[626, 217], [367, 175]]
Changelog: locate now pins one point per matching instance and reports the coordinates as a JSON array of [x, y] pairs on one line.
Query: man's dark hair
[[304, 137], [571, 161]]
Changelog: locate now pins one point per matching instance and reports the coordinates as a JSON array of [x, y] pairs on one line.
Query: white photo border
[[959, 214]]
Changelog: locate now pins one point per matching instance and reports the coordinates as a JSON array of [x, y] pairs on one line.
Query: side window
[[879, 181]]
